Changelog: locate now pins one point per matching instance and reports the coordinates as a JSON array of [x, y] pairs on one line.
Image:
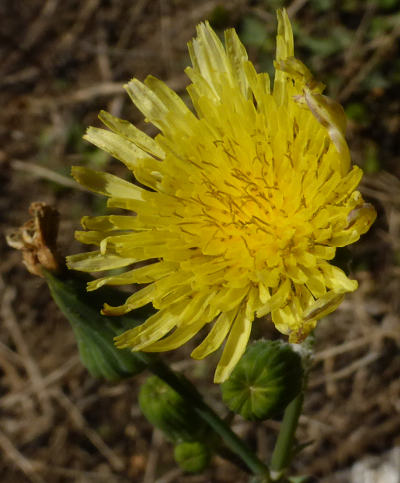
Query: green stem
[[283, 450], [188, 391]]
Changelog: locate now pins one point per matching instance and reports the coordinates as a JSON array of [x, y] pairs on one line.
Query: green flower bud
[[192, 457], [167, 410], [95, 332], [266, 379]]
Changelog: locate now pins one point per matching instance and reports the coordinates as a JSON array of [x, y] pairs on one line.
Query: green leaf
[[358, 112], [254, 33], [371, 158], [302, 479], [95, 332]]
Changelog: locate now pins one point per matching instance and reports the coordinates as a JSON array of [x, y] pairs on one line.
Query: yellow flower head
[[243, 204]]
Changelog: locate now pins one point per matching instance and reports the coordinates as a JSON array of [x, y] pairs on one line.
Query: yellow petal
[[98, 223], [323, 306], [110, 223], [284, 37], [278, 299], [347, 184], [260, 84], [332, 116], [284, 319], [195, 307], [284, 49], [216, 335], [228, 298], [237, 56], [132, 133], [106, 184], [315, 282], [91, 237], [336, 279], [116, 145], [299, 72], [234, 347], [146, 274], [138, 299], [156, 100], [179, 337], [97, 262], [208, 57], [361, 220], [155, 327]]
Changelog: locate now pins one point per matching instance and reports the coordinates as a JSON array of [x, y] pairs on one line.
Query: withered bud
[[37, 239]]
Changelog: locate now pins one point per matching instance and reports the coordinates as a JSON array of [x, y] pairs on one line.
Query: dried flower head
[[37, 239], [245, 202]]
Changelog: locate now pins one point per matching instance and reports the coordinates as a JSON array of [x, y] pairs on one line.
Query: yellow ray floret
[[244, 203]]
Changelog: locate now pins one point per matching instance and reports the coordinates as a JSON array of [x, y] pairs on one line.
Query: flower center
[[251, 224]]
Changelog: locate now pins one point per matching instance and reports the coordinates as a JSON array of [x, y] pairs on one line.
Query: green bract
[[168, 411], [192, 457], [265, 380]]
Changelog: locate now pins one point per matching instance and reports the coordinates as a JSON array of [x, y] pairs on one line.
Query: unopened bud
[[168, 411], [193, 456], [266, 379]]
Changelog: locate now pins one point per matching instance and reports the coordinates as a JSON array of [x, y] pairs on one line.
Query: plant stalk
[[283, 451]]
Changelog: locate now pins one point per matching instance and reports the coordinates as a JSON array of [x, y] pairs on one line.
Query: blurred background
[[63, 61]]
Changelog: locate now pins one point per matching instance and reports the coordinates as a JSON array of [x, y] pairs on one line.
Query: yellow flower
[[243, 204]]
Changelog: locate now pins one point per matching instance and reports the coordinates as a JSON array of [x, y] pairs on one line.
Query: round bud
[[168, 411], [192, 457], [265, 380]]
